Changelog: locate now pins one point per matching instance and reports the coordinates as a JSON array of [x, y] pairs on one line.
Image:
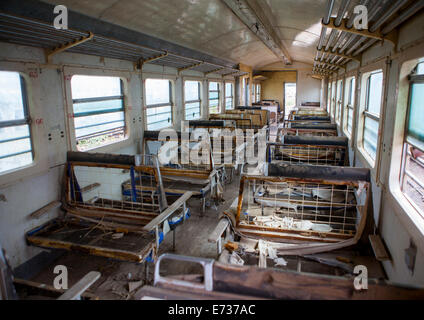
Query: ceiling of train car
[[211, 27]]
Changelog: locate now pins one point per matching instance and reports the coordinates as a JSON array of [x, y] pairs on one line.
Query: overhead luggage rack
[[35, 33]]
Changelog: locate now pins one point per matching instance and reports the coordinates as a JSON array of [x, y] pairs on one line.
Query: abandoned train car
[[174, 149]]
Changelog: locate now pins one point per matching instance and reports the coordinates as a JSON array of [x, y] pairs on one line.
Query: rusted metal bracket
[[141, 62], [392, 37], [213, 71], [190, 67], [51, 53], [356, 58]]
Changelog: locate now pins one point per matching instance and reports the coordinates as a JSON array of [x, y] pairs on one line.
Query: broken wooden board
[[379, 249], [89, 238], [46, 209], [274, 284]]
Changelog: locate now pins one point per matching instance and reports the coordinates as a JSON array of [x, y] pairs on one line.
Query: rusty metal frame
[[392, 37], [326, 241], [190, 67], [336, 53], [69, 45], [141, 62]]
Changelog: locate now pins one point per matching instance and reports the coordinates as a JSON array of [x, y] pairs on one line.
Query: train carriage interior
[[212, 149]]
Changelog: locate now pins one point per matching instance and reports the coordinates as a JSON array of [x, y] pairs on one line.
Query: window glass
[[375, 89], [371, 137], [192, 100], [95, 87], [158, 91], [214, 97], [350, 105], [158, 104], [15, 134], [416, 112], [229, 96], [192, 91], [98, 107], [349, 120]]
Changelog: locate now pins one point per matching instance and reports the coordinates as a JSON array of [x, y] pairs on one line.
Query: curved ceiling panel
[[207, 26]]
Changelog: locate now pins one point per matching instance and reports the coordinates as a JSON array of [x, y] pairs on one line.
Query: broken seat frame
[[145, 227]]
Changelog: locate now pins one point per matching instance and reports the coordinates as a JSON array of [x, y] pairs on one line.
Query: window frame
[[413, 79], [107, 98], [258, 93], [220, 90], [200, 83], [402, 209], [349, 105], [158, 105], [333, 98], [339, 101], [26, 121], [68, 73], [229, 97], [364, 114]]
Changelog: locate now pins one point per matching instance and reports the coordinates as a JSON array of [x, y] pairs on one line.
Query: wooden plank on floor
[[380, 251], [81, 286]]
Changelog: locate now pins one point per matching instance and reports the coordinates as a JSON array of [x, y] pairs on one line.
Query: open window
[[412, 170], [98, 111], [192, 100], [229, 96], [349, 106], [158, 104], [214, 97], [15, 130], [371, 114]]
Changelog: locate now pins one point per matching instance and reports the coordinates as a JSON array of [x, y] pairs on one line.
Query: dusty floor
[[191, 240]]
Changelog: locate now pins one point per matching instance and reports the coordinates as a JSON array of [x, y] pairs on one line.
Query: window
[[339, 101], [329, 98], [158, 104], [192, 100], [214, 97], [333, 98], [258, 93], [98, 107], [374, 89], [350, 102], [229, 96], [15, 131], [412, 175], [289, 96]]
